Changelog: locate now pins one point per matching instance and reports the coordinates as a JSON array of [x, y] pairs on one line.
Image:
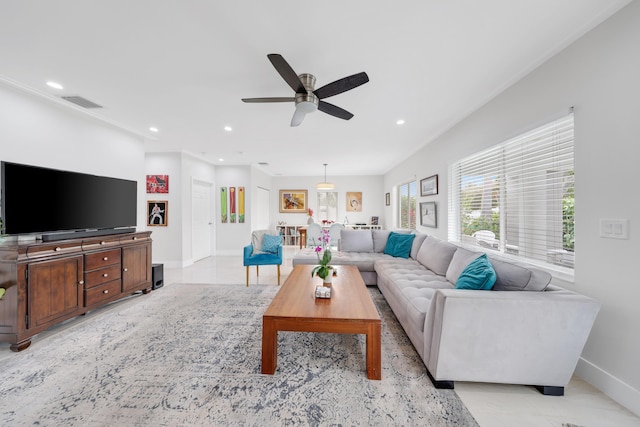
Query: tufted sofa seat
[[524, 331]]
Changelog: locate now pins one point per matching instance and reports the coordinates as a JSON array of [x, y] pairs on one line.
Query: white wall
[[370, 186], [232, 237], [600, 76], [167, 249], [38, 132], [173, 243]]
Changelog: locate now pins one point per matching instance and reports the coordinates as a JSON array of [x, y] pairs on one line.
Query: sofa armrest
[[533, 338], [248, 251]]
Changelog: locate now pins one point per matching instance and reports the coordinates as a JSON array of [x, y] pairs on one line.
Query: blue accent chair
[[261, 258]]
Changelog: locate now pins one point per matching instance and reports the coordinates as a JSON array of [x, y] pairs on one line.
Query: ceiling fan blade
[[331, 109], [342, 85], [284, 69], [297, 118], [268, 99]]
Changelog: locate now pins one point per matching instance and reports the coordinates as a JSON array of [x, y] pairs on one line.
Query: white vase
[[327, 280]]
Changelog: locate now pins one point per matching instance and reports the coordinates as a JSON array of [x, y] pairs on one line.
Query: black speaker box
[[157, 275]]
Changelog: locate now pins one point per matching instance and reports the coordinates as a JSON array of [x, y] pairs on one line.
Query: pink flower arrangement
[[310, 212], [324, 269]]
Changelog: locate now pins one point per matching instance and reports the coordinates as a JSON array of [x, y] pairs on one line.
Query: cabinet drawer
[[100, 242], [48, 249], [100, 293], [103, 275], [101, 259]]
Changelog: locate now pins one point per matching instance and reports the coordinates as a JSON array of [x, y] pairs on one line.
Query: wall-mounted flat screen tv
[[37, 200]]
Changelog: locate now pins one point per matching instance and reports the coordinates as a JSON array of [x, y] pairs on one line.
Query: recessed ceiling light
[[228, 128], [152, 129], [221, 159], [55, 85], [400, 122]]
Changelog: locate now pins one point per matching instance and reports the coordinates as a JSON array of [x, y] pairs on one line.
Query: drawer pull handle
[[81, 282], [103, 242], [125, 269], [58, 248], [105, 258], [105, 275], [135, 238], [106, 291]]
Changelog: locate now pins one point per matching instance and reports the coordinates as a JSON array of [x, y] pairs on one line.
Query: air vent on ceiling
[[83, 102], [263, 163]]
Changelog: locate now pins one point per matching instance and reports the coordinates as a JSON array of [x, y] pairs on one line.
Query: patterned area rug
[[189, 354]]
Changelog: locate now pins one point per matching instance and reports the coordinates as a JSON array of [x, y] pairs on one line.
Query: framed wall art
[[158, 184], [293, 201], [429, 186], [157, 213], [354, 201], [428, 214], [387, 199]]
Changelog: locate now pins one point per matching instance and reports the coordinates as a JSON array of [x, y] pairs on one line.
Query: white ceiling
[[183, 65]]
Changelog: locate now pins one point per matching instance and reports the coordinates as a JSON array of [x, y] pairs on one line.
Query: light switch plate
[[614, 228]]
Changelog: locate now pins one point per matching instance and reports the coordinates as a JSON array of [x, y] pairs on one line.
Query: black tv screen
[[39, 200]]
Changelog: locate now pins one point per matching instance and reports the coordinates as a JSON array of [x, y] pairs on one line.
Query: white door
[[202, 220]]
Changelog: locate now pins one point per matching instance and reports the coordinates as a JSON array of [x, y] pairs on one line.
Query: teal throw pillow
[[270, 243], [399, 245], [479, 274]]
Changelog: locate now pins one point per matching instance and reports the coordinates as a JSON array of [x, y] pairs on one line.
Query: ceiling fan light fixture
[[325, 185]]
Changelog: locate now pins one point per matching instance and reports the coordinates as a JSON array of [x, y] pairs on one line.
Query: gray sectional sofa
[[523, 331]]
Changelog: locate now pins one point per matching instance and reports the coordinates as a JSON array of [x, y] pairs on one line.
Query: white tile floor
[[492, 405]]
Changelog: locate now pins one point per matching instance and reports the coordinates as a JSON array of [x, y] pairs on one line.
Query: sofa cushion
[[512, 277], [479, 274], [461, 259], [417, 242], [270, 243], [356, 241], [436, 254], [399, 245], [379, 240]]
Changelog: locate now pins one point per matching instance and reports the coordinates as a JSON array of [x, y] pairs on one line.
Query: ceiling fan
[[308, 99]]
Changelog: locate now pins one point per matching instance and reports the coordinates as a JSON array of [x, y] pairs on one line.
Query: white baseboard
[[228, 253], [170, 264], [613, 387]]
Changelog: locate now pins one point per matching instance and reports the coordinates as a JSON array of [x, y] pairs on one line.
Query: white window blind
[[407, 204], [517, 197]]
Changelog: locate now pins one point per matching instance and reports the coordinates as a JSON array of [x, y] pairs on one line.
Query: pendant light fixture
[[325, 185]]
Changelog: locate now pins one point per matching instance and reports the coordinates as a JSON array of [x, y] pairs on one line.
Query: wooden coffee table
[[350, 310]]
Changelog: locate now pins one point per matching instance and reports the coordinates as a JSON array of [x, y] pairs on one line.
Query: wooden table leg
[[269, 346], [374, 352]]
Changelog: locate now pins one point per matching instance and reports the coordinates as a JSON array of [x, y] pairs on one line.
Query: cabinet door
[[136, 267], [54, 289]]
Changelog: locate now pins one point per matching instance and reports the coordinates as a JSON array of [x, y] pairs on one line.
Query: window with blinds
[[518, 197], [407, 204], [327, 206]]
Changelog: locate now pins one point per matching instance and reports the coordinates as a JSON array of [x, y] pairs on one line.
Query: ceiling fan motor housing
[[307, 102]]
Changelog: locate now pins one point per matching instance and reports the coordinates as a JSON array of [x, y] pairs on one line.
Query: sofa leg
[[448, 385], [548, 390]]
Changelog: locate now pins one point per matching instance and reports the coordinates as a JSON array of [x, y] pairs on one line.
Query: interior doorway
[[202, 220]]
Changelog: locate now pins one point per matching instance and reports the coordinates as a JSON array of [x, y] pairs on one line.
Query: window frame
[[554, 142]]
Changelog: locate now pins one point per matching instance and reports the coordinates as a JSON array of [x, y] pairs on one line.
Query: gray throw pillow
[[380, 238], [436, 255], [512, 277], [417, 242], [356, 241], [461, 259]]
